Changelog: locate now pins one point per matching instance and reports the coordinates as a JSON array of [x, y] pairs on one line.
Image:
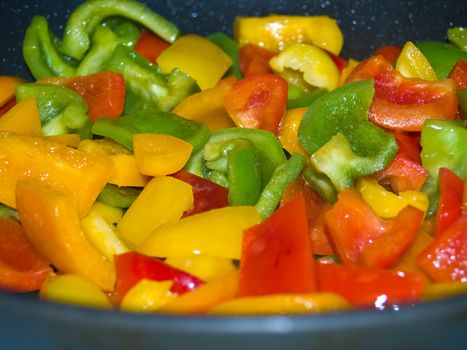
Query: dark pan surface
[[26, 323]]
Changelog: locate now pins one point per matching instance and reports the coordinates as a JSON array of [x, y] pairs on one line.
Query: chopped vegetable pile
[[150, 170]]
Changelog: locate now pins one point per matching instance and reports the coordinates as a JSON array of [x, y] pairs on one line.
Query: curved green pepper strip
[[86, 17], [122, 129], [444, 144], [342, 142], [127, 31], [40, 54], [458, 36], [320, 183], [442, 56], [61, 110]]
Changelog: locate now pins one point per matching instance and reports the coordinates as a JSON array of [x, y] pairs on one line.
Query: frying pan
[[26, 323]]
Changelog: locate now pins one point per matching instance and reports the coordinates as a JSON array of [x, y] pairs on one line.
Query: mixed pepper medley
[[152, 171]]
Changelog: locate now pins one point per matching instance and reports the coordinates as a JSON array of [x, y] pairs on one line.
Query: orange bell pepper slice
[[23, 119]]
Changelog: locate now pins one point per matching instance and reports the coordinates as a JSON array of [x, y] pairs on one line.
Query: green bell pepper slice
[[444, 144], [320, 183], [122, 129], [462, 97], [120, 197], [6, 212], [231, 48], [307, 99], [458, 36], [343, 143], [127, 31], [86, 17], [442, 56]]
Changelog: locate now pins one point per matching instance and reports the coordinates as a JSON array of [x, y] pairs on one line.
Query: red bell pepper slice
[[150, 45], [132, 267], [403, 103], [207, 195], [369, 287], [459, 74], [338, 61], [104, 92], [254, 60], [390, 53], [258, 101], [277, 254], [22, 268], [450, 200], [445, 259]]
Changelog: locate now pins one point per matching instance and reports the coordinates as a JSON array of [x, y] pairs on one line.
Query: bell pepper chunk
[[150, 46], [217, 233], [202, 266], [23, 119], [412, 64], [288, 130], [74, 173], [147, 296], [57, 235], [458, 36], [277, 254], [442, 56], [444, 290], [390, 53], [254, 59], [7, 88]]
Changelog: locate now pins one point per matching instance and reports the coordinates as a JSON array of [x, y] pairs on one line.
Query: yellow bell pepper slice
[[51, 222], [411, 63], [217, 233], [203, 60], [109, 214], [77, 174], [163, 200], [160, 154], [125, 172], [437, 291], [75, 290], [208, 106], [387, 204], [147, 296], [283, 304], [71, 140], [204, 297], [202, 266], [101, 233], [351, 64], [288, 131], [23, 119], [317, 67], [276, 32], [7, 88]]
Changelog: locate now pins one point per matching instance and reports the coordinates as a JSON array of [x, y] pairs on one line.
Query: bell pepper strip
[[58, 236], [202, 266], [119, 197], [351, 64], [306, 100], [40, 54], [445, 259], [198, 57], [320, 183], [122, 130], [317, 66], [403, 103], [231, 48], [288, 131], [8, 86], [154, 207], [205, 296], [160, 154], [150, 46], [84, 19], [23, 119], [442, 56], [342, 142], [19, 259], [254, 59], [272, 192], [458, 37], [442, 146], [369, 287], [412, 64], [62, 110], [276, 32], [7, 212], [216, 233], [282, 304], [387, 250], [127, 31], [74, 173], [74, 289], [390, 53], [459, 74], [449, 208], [147, 296], [132, 267], [207, 195], [338, 61], [277, 256], [258, 101], [437, 291], [207, 106]]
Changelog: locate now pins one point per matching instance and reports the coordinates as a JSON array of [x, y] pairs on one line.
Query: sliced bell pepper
[[7, 88], [23, 119], [258, 101], [119, 197], [305, 100], [217, 233], [317, 66], [150, 46], [58, 236], [147, 296], [458, 36], [405, 103], [276, 32], [87, 16], [202, 266], [288, 131], [412, 64], [133, 267], [277, 254], [198, 57], [369, 287], [390, 53], [459, 75], [254, 59], [231, 48], [154, 207], [351, 64], [442, 56], [449, 208], [444, 290]]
